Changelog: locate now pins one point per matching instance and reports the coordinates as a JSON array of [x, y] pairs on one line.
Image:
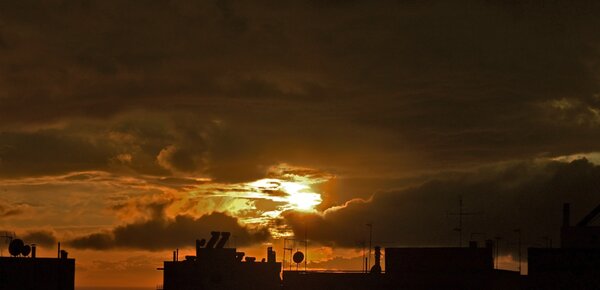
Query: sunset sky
[[131, 128]]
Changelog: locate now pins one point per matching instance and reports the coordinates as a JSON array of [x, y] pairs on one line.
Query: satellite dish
[[16, 247], [26, 250], [298, 257]]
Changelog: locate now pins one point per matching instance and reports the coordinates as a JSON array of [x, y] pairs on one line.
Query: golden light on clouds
[[261, 203], [296, 195]]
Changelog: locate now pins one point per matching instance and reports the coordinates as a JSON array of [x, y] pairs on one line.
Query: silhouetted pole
[[370, 225], [498, 252], [364, 265], [519, 245], [460, 215], [305, 245]]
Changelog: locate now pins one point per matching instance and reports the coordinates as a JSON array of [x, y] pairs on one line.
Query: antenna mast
[[461, 213]]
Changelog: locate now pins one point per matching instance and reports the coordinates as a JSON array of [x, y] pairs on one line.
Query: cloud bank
[[519, 195], [161, 233]]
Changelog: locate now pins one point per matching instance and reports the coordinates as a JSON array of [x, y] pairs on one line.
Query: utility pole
[[460, 215], [519, 245], [305, 245], [363, 265], [370, 225], [498, 252]]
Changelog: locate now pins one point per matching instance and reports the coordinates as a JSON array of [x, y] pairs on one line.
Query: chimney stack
[[271, 255], [33, 250], [223, 240], [376, 269], [214, 236]]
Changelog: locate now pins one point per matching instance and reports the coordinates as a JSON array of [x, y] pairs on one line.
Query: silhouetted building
[[446, 268], [216, 267], [576, 265], [315, 280], [415, 269], [32, 273]]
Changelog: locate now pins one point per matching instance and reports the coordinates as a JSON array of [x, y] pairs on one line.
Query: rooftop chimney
[[271, 255], [223, 240], [214, 236], [376, 269]]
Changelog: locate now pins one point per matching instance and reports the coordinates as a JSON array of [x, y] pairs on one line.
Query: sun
[[300, 197], [294, 195]]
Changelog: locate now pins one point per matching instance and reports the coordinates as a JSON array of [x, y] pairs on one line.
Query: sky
[[131, 128]]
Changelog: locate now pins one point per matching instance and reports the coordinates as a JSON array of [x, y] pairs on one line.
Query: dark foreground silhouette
[[25, 271], [575, 265]]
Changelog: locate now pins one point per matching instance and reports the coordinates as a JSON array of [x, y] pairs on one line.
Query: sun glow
[[300, 197], [264, 202], [295, 195]]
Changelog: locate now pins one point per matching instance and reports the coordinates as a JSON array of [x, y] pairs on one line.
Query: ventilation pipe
[[223, 240], [376, 269], [271, 257], [214, 236]]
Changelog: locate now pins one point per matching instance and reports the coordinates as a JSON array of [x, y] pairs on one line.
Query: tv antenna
[[461, 213], [6, 237], [289, 244]]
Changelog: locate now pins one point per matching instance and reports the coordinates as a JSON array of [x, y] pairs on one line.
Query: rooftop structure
[[217, 267], [576, 264], [25, 271]]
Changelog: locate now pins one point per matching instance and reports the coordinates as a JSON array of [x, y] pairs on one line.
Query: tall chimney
[[214, 236], [566, 215], [378, 256], [33, 250], [58, 254], [376, 269], [271, 258], [223, 240]]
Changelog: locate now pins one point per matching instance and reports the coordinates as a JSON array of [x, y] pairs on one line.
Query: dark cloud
[[23, 154], [525, 195], [159, 233], [10, 209], [390, 86], [42, 238]]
